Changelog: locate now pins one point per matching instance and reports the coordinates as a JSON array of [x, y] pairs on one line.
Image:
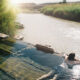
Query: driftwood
[[44, 48], [3, 36]]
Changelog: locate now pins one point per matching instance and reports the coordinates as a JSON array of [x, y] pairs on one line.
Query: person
[[71, 57], [70, 60]]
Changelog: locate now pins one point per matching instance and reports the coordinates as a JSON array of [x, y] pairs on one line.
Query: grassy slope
[[66, 11]]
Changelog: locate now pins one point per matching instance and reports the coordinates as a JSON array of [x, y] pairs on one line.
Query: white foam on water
[[76, 71]]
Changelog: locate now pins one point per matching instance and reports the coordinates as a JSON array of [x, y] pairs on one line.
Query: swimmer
[[71, 60]]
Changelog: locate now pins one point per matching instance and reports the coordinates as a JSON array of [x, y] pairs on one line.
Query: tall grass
[[7, 18], [67, 11]]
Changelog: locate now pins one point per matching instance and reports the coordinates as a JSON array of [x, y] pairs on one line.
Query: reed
[[70, 11]]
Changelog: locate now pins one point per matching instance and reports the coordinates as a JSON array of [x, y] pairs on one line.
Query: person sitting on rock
[[71, 60]]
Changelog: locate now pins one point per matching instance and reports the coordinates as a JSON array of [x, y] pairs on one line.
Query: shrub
[[66, 11], [7, 18]]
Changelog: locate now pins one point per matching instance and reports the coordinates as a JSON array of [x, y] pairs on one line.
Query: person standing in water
[[71, 60]]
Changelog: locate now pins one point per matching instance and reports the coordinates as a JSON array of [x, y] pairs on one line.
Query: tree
[[7, 18], [64, 1]]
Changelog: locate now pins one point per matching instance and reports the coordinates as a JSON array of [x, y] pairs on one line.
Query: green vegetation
[[6, 46], [19, 25], [70, 11], [7, 17], [7, 26]]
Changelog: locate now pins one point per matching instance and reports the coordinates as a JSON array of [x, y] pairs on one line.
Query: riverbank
[[69, 11]]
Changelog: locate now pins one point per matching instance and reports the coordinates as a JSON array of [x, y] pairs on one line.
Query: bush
[[7, 18], [66, 11]]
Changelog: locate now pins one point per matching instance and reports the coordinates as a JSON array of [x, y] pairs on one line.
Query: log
[[44, 48]]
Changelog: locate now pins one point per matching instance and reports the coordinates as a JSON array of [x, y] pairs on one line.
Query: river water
[[28, 63], [62, 35]]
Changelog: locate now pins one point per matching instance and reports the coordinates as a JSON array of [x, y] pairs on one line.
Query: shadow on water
[[27, 63], [42, 58], [5, 47], [24, 61]]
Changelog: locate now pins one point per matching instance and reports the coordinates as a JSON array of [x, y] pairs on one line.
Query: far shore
[[69, 11]]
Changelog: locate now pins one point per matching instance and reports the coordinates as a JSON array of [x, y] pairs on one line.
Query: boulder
[[3, 36], [44, 48]]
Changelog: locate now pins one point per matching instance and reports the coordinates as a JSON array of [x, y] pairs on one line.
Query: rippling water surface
[[27, 63], [62, 35]]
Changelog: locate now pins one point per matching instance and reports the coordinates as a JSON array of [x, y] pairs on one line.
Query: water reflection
[[27, 63], [65, 73]]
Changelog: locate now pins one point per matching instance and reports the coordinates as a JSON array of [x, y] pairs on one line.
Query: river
[[28, 63], [62, 35]]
